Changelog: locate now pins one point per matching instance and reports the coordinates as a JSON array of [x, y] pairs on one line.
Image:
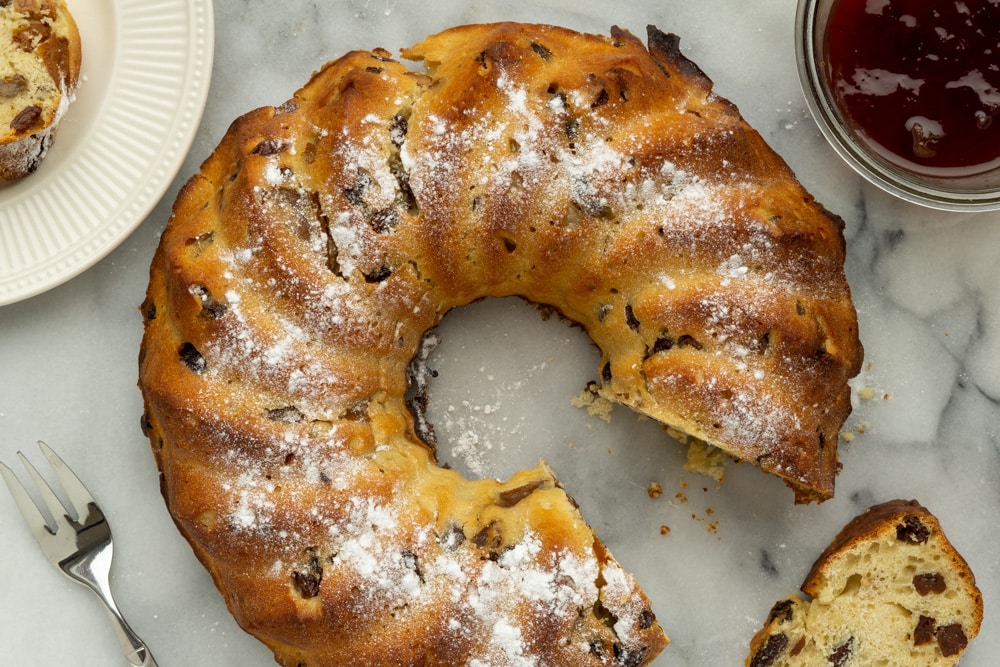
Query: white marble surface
[[926, 284]]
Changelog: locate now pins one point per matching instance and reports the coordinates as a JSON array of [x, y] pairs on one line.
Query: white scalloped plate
[[147, 66]]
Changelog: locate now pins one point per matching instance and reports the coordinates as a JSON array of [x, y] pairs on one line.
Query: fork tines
[[82, 504]]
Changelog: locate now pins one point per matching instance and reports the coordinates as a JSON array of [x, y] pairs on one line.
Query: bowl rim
[[925, 190]]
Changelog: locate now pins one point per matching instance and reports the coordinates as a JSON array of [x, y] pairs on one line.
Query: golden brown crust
[[39, 74], [889, 589], [323, 238]]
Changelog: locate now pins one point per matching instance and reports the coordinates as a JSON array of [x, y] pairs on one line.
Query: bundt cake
[[39, 72], [889, 590], [323, 238]]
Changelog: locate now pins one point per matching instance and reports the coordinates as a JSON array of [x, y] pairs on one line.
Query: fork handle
[[135, 650]]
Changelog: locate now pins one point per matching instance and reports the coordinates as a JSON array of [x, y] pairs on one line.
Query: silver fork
[[78, 541]]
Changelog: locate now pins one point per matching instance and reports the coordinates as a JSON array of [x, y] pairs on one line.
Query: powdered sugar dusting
[[619, 597], [364, 538], [297, 461], [366, 545], [559, 583]]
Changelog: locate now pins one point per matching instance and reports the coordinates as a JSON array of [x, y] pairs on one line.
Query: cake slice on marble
[[889, 590]]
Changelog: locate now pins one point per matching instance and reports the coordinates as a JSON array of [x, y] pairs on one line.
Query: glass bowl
[[967, 192]]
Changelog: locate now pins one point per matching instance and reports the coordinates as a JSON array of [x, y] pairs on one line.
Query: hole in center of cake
[[500, 384]]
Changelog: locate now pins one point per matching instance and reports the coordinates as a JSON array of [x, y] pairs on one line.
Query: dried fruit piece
[[929, 582], [781, 612], [630, 319], [308, 578], [412, 562], [842, 653], [378, 275], [770, 651], [288, 415], [924, 632], [210, 308], [912, 530], [35, 31], [453, 538], [191, 357], [951, 639], [25, 118], [512, 497], [663, 343], [13, 85], [384, 221], [489, 537], [628, 658], [269, 147]]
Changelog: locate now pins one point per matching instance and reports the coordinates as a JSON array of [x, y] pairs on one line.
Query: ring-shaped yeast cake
[[302, 268]]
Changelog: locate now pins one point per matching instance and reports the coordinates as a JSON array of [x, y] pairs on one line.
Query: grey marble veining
[[926, 423]]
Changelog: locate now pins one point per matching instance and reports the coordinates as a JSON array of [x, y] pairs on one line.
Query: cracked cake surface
[[303, 266]]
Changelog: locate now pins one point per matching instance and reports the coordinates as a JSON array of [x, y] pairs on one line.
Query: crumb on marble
[[655, 490], [858, 429], [664, 530], [706, 460], [597, 405], [710, 526]]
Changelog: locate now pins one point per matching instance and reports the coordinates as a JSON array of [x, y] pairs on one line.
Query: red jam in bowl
[[920, 79]]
